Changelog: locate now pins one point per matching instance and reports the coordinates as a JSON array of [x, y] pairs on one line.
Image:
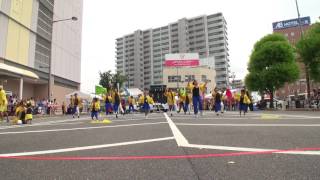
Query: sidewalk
[[46, 117]]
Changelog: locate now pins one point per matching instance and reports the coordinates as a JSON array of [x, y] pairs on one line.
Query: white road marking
[[245, 149], [142, 119], [251, 125], [183, 142], [82, 128], [69, 121], [180, 139], [44, 123], [227, 148], [224, 116], [86, 147]]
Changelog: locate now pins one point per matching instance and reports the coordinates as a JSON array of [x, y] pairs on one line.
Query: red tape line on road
[[75, 158]]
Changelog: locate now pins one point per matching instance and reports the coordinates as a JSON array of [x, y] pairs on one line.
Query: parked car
[[277, 104]]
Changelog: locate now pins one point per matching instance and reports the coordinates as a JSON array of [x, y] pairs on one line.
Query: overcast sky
[[248, 21]]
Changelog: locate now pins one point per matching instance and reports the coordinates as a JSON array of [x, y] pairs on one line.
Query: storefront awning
[[19, 71]]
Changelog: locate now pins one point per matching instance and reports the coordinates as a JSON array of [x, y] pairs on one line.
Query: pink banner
[[180, 63]]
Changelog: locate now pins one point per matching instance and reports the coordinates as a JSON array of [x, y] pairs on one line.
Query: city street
[[261, 145]]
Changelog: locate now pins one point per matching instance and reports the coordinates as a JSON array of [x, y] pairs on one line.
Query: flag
[[100, 90]]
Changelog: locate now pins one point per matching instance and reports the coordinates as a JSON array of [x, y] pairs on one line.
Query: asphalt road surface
[[274, 145]]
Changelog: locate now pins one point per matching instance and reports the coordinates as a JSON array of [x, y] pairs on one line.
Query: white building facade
[[140, 56]]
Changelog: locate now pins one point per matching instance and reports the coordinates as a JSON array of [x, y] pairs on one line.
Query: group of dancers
[[193, 96]]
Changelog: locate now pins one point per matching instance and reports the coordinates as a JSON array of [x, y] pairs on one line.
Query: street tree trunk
[[308, 84], [271, 100]]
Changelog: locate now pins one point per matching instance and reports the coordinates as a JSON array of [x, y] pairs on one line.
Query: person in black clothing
[[217, 104], [186, 104], [116, 103], [76, 104]]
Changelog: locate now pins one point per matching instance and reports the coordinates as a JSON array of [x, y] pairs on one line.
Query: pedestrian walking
[[170, 95]]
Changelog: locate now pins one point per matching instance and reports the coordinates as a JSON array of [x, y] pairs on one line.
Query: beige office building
[[29, 38], [179, 77]]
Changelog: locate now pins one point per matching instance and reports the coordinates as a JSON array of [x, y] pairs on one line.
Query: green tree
[[272, 64], [118, 78], [109, 80], [106, 79], [309, 50]]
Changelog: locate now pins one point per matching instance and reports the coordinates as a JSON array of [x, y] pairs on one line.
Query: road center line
[[83, 128], [84, 147], [180, 139]]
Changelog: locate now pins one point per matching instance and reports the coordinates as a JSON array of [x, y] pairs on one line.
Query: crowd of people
[[190, 98], [22, 111], [315, 98]]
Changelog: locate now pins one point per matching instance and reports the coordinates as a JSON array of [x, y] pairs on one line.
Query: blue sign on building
[[291, 23]]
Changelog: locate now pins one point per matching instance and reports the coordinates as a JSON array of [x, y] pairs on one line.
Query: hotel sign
[[291, 23]]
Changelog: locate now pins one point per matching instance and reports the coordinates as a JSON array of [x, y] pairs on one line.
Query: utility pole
[[50, 58]]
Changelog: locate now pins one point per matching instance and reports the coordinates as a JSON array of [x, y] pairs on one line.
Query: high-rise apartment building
[[140, 56], [30, 40]]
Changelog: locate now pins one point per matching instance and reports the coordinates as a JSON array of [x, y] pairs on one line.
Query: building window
[[172, 79], [203, 78], [189, 78]]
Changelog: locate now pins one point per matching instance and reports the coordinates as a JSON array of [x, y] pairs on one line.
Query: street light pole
[[50, 58], [177, 78]]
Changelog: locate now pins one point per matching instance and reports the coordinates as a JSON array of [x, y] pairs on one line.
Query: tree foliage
[[309, 50], [105, 79], [118, 78], [271, 65], [109, 80]]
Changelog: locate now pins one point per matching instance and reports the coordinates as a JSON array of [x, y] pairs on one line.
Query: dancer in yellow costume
[[170, 99], [3, 103]]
